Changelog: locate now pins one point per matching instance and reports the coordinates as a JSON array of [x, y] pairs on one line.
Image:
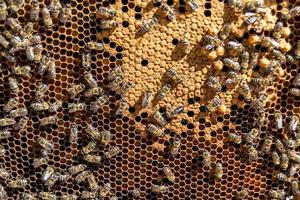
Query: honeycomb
[[144, 59]]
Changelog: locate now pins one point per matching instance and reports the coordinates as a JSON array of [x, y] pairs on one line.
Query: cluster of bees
[[221, 49]]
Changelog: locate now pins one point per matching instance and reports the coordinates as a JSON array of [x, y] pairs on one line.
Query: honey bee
[[169, 174], [37, 51], [3, 10], [37, 162], [47, 18], [294, 167], [261, 119], [73, 107], [266, 146], [279, 146], [2, 151], [5, 134], [41, 90], [250, 18], [232, 64], [185, 45], [270, 43], [51, 70], [22, 70], [93, 132], [93, 159], [63, 177], [40, 106], [106, 13], [273, 194], [235, 46], [45, 144], [75, 169], [279, 56], [82, 176], [154, 130], [74, 133], [69, 197], [214, 82], [106, 137], [123, 106], [219, 171], [245, 58], [296, 81], [262, 81], [243, 194], [275, 158], [94, 46], [160, 189], [293, 123], [175, 146], [113, 198], [47, 196], [174, 112], [168, 12], [28, 30], [13, 24], [7, 121], [292, 59], [212, 40], [214, 103], [297, 50], [260, 103], [20, 112], [251, 137], [224, 33], [112, 152], [18, 183], [233, 77], [89, 147], [125, 86], [295, 92], [12, 103], [148, 24], [88, 77], [48, 120], [116, 72], [21, 124], [35, 10], [194, 5], [295, 188], [52, 180], [17, 44], [292, 13], [3, 40], [74, 90], [47, 174], [282, 177], [92, 182], [105, 190], [93, 92], [55, 106], [65, 14], [115, 84], [278, 120], [44, 64], [3, 194], [147, 98], [55, 7], [293, 155], [88, 195], [235, 138], [96, 105], [108, 24], [160, 120], [86, 61], [4, 174], [252, 153], [13, 84], [8, 56], [284, 161], [163, 91], [25, 196], [135, 193]]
